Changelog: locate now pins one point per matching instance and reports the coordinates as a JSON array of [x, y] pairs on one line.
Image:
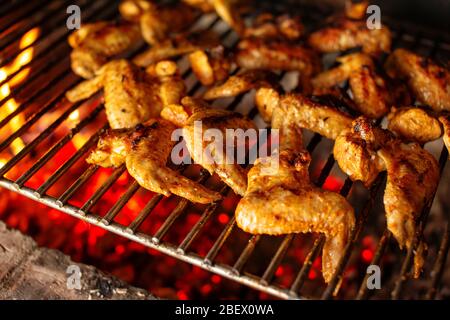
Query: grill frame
[[235, 272]]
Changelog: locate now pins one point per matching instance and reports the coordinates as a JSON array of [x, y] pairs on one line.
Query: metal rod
[[276, 260], [76, 185], [212, 253], [112, 213], [144, 213], [102, 190]]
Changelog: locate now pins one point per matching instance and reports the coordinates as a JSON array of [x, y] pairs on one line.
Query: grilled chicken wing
[[132, 96], [95, 43], [145, 150], [368, 88], [256, 53], [226, 10], [429, 82], [356, 150], [269, 26], [413, 175], [196, 117], [322, 119], [176, 46], [157, 21], [445, 120], [210, 65], [281, 199], [346, 34], [414, 124]]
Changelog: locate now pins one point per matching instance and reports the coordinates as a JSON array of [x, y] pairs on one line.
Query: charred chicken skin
[[94, 43], [429, 82], [369, 90], [131, 95], [195, 116], [281, 199], [145, 150], [269, 26]]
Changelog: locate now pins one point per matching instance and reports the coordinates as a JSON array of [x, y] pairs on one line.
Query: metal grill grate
[[42, 93]]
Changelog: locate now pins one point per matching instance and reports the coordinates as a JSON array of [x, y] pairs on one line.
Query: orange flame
[[11, 105]]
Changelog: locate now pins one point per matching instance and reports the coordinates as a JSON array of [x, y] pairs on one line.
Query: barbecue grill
[[32, 94]]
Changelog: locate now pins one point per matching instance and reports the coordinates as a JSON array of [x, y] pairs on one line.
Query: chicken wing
[[413, 176], [95, 43], [429, 82], [346, 34], [356, 150], [269, 26], [210, 65], [281, 199], [158, 21], [356, 9], [256, 53], [368, 88], [145, 150], [196, 118], [414, 124], [325, 120], [226, 10], [176, 46], [131, 95], [445, 120]]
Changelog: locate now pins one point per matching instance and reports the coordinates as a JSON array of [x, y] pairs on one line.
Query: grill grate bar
[[112, 213], [246, 253], [69, 163], [102, 190], [379, 251], [438, 268], [200, 223], [136, 223], [76, 185], [58, 146], [212, 253], [276, 260], [15, 17], [307, 264]]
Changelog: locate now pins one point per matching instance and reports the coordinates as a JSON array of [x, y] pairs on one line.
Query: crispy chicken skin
[[414, 124], [157, 21], [429, 82], [269, 26], [445, 120], [131, 95], [256, 53], [175, 46], [210, 65], [355, 151], [356, 9], [209, 155], [346, 34], [322, 119], [369, 90], [145, 150], [95, 43], [281, 199]]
